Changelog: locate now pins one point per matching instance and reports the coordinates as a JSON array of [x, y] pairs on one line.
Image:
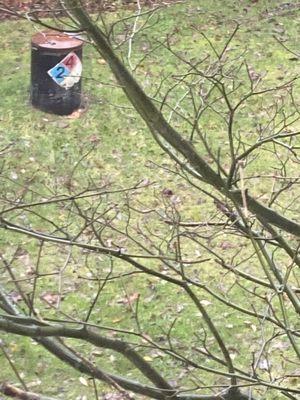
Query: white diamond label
[[67, 72]]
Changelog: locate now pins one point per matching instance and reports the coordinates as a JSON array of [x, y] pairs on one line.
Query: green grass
[[109, 145]]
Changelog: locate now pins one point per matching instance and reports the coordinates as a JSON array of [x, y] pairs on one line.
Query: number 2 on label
[[60, 74]]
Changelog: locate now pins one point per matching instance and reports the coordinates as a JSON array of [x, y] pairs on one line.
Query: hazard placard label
[[67, 72]]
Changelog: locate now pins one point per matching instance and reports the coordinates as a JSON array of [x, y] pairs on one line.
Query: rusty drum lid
[[53, 40]]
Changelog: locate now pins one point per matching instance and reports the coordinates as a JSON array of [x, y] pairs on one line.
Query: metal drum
[[56, 67]]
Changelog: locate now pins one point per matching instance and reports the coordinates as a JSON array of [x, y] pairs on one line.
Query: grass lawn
[[108, 146]]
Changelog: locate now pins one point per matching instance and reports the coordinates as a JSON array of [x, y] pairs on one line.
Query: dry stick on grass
[[12, 391]]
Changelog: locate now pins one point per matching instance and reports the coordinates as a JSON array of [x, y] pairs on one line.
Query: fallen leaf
[[264, 364], [94, 139], [116, 396], [205, 303], [50, 298], [15, 296], [129, 300], [167, 192], [116, 320], [227, 246], [83, 381], [76, 114]]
